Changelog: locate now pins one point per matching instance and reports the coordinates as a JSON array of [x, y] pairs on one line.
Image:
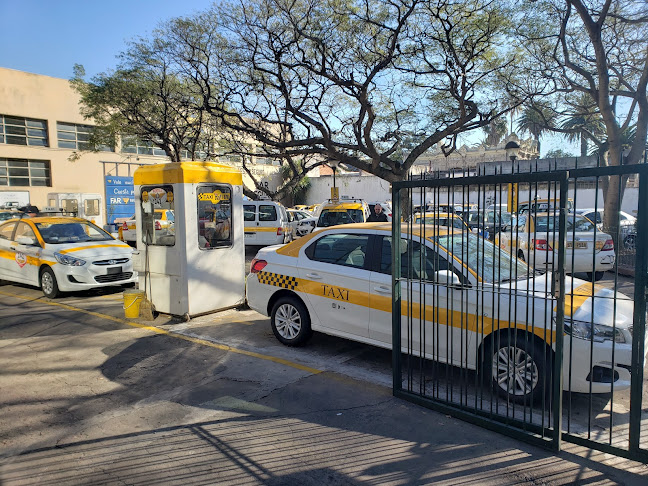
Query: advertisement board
[[120, 197]]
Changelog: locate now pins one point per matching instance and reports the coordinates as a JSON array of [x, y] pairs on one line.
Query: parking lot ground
[[88, 397]]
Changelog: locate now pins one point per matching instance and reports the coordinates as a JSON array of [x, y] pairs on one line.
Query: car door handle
[[12, 248], [383, 290], [315, 276]]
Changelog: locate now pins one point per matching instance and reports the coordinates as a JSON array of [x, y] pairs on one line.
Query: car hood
[[93, 249], [584, 301]]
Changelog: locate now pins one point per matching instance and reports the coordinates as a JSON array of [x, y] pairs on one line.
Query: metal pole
[[396, 289], [560, 316]]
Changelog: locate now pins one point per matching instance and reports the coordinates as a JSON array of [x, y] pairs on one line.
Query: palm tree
[[584, 122], [536, 119], [495, 131]]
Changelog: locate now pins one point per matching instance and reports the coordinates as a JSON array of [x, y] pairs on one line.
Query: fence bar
[[396, 289]]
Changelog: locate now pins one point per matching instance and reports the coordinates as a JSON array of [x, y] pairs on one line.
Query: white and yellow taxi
[[164, 225], [469, 302], [63, 254], [533, 237], [334, 212]]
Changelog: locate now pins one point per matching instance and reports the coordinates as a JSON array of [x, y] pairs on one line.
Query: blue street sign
[[120, 197]]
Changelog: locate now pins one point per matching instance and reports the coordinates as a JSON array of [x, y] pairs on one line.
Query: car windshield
[[574, 223], [488, 261], [71, 232], [498, 217], [333, 218]]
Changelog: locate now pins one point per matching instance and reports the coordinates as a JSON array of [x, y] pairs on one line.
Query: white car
[[63, 254], [302, 221], [487, 304], [627, 225], [164, 225], [533, 238]]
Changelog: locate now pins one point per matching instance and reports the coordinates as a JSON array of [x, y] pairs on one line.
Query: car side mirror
[[25, 240], [447, 278]]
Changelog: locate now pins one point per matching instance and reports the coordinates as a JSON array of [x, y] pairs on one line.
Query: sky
[[50, 36]]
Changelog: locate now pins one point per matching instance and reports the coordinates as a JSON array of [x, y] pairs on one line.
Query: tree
[[350, 80], [597, 48], [557, 153], [536, 119], [146, 98], [495, 131], [584, 123]]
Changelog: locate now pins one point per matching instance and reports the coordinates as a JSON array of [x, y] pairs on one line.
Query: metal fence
[[514, 306]]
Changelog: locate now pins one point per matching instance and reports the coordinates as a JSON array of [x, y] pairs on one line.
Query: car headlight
[[583, 330], [69, 260]]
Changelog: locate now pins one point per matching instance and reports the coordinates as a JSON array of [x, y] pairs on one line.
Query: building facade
[[42, 136]]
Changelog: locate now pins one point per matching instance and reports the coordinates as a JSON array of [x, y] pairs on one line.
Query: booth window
[[214, 216], [91, 207], [158, 210]]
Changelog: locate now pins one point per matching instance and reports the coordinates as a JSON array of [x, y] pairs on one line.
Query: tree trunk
[[583, 145]]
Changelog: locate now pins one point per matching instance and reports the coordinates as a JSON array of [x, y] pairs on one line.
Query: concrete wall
[[372, 188]]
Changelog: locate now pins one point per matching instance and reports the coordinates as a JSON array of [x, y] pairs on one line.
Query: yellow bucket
[[132, 301]]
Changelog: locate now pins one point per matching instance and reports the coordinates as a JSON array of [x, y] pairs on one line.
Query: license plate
[[114, 270], [247, 235], [579, 244]]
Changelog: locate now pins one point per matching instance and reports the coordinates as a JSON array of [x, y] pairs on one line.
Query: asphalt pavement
[[89, 397]]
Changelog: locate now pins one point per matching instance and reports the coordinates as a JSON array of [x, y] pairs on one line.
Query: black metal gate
[[519, 303]]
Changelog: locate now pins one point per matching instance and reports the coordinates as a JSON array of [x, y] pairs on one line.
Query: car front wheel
[[48, 283], [518, 369], [290, 321]]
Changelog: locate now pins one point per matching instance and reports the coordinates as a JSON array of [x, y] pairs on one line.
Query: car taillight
[[158, 226], [279, 231], [609, 245], [257, 265], [124, 226], [542, 245]]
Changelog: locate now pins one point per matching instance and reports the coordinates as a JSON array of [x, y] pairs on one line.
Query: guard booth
[[190, 236]]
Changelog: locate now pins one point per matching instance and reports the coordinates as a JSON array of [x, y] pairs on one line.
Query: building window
[[23, 172], [76, 137], [131, 145], [23, 131]]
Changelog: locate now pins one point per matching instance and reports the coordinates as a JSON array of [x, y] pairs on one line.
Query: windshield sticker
[[21, 259]]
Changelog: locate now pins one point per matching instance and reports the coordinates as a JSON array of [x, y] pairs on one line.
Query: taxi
[[471, 304], [62, 254], [532, 237], [343, 211], [164, 225], [450, 220]]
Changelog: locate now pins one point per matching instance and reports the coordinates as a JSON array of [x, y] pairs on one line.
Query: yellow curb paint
[[158, 330]]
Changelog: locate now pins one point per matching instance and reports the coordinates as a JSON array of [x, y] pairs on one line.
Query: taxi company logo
[[21, 259], [215, 196]]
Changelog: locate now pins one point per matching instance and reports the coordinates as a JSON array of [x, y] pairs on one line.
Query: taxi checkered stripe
[[278, 280]]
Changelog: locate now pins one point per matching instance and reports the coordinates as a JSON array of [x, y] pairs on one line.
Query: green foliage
[[557, 153]]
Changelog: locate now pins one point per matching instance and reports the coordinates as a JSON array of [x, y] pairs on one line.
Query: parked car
[[544, 205], [446, 220], [164, 226], [63, 254], [533, 239], [333, 213], [627, 225], [266, 223], [302, 222], [487, 223], [6, 214], [338, 281]]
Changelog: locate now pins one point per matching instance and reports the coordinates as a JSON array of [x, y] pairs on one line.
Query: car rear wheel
[[290, 321], [517, 368], [48, 283], [629, 242]]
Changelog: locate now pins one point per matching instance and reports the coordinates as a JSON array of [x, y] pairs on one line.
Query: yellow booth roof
[[187, 173]]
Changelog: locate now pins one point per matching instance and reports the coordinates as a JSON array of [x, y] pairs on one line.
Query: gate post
[[396, 289], [639, 318], [557, 388]]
